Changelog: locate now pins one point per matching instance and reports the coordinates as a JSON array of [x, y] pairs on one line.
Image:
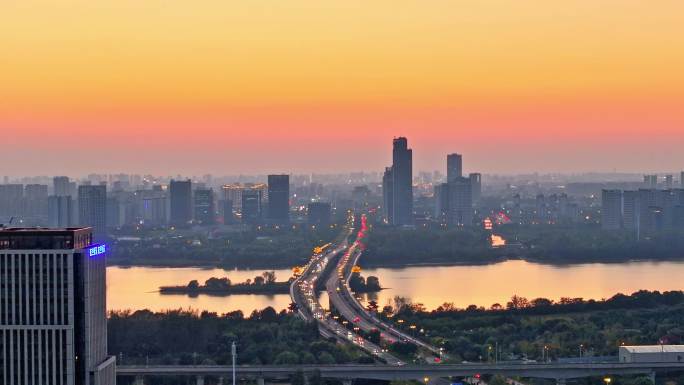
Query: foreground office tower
[[53, 327], [279, 199]]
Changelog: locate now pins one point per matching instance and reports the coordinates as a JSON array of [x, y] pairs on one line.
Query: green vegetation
[[262, 284], [187, 337], [359, 284], [557, 244], [522, 328], [266, 248]]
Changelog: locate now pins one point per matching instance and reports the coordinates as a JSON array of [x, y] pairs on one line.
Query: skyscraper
[[60, 211], [251, 206], [401, 185], [669, 181], [279, 199], [35, 204], [53, 327], [460, 202], [180, 196], [11, 200], [205, 210], [441, 202], [476, 184], [454, 167], [630, 210], [611, 209], [92, 207], [388, 195], [681, 179], [650, 181]]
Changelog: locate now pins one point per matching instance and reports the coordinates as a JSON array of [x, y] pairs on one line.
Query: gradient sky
[[176, 86]]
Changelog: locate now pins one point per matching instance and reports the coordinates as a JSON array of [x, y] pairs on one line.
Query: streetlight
[[581, 347], [233, 352], [607, 380]]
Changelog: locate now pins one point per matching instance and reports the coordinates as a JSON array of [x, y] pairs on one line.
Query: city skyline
[[250, 88]]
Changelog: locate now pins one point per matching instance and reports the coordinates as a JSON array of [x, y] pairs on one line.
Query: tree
[[298, 378], [269, 277], [498, 380], [193, 285], [286, 358], [517, 303], [259, 280]]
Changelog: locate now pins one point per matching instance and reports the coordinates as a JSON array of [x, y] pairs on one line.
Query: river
[[136, 287]]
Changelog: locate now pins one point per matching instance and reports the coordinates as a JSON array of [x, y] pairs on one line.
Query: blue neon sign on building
[[96, 250]]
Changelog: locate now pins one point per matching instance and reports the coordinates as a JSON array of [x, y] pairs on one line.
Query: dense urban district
[[323, 227]]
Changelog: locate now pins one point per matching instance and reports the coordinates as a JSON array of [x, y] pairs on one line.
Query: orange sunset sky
[[176, 86]]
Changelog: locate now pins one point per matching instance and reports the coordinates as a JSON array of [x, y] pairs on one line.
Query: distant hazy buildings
[[205, 209], [60, 211], [476, 186], [319, 213], [645, 211], [53, 327], [611, 209], [251, 206], [92, 207], [398, 185], [180, 196], [279, 199]]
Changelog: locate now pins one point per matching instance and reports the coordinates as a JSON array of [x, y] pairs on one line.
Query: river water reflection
[[135, 288]]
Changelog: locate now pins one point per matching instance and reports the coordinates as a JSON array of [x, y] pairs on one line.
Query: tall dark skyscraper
[[53, 326], [279, 199], [454, 167], [92, 207], [205, 210], [398, 185], [180, 195]]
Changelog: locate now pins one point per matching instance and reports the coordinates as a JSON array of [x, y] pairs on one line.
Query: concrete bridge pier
[[139, 380], [346, 382], [220, 381], [200, 380], [652, 376], [560, 381], [260, 381]]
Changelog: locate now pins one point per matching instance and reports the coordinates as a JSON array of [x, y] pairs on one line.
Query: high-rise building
[[441, 202], [400, 210], [62, 186], [681, 179], [651, 181], [388, 195], [460, 203], [319, 213], [630, 210], [279, 199], [11, 200], [60, 211], [454, 167], [152, 206], [92, 207], [35, 204], [611, 209], [251, 206], [205, 210], [669, 181], [476, 184], [53, 326], [648, 210], [180, 196], [233, 193], [228, 217]]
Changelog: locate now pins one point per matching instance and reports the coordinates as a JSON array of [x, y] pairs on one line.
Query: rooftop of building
[[654, 348]]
